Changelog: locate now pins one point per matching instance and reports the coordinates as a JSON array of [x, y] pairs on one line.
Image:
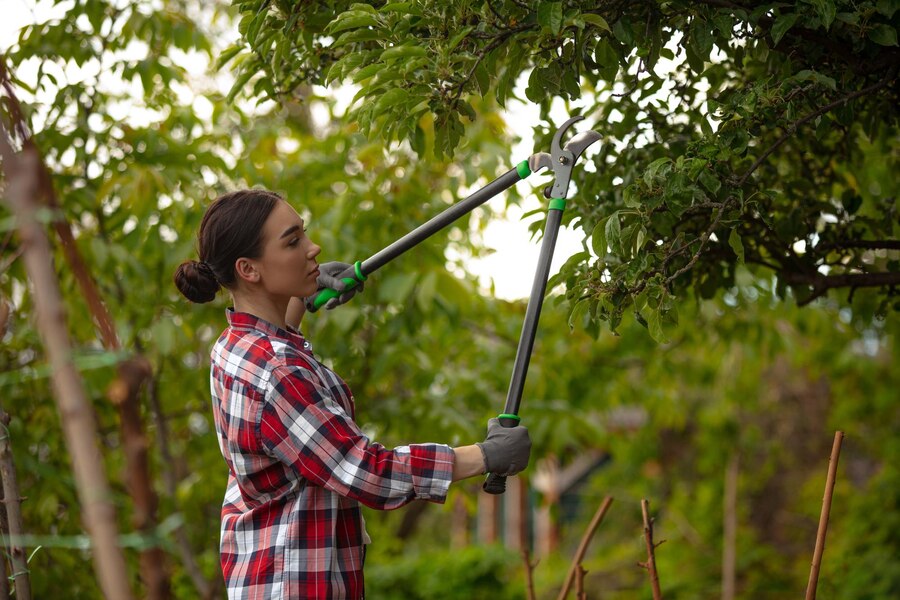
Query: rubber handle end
[[494, 484]]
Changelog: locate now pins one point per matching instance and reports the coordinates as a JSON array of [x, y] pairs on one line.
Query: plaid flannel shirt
[[299, 468]]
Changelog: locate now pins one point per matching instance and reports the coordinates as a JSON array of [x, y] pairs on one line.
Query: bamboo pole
[[650, 565], [76, 413], [823, 517], [582, 547], [729, 529]]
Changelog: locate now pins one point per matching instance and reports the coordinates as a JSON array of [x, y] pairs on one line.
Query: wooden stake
[[76, 412], [650, 565], [823, 517], [582, 547]]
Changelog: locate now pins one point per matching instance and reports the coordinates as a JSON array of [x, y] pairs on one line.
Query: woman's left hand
[[330, 277]]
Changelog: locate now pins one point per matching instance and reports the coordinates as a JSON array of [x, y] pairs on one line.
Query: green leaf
[[734, 240], [654, 325], [361, 7], [710, 181], [608, 60], [390, 98], [227, 55], [550, 16], [483, 79], [598, 239], [653, 169], [400, 7], [827, 11], [596, 21], [460, 36], [883, 35], [887, 7], [614, 233], [578, 312], [366, 72], [355, 21], [403, 51], [782, 25]]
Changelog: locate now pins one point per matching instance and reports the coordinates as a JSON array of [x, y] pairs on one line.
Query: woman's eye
[[294, 242]]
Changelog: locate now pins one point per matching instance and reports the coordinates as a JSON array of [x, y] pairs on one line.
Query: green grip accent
[[523, 169], [558, 204], [357, 266], [508, 416], [327, 293]]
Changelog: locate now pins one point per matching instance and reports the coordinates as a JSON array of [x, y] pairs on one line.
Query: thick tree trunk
[[124, 393]]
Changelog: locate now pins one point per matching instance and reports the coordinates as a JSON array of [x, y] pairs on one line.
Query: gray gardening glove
[[505, 449], [329, 277]]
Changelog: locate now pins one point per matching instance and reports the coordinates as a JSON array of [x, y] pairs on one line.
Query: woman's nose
[[314, 251]]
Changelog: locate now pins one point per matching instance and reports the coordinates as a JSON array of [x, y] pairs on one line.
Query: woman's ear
[[246, 270]]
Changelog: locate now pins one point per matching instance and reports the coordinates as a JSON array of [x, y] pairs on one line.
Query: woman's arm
[[294, 314], [469, 462]]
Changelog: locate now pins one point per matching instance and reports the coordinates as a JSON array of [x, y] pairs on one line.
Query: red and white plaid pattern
[[299, 467]]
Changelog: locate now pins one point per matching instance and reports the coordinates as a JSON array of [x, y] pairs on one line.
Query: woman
[[298, 465]]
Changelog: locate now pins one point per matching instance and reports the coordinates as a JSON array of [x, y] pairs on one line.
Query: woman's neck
[[270, 309]]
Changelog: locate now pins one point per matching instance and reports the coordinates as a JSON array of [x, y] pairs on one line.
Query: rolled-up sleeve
[[303, 426]]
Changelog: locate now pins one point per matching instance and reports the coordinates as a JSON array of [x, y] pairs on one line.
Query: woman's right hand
[[506, 449]]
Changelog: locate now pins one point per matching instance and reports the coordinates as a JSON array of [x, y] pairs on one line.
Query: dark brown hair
[[231, 228]]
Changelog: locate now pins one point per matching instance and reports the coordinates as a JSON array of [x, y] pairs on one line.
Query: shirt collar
[[247, 321]]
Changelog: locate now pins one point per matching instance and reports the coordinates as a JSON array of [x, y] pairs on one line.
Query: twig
[[650, 565], [580, 594], [529, 574], [12, 506], [823, 517], [22, 171], [582, 547]]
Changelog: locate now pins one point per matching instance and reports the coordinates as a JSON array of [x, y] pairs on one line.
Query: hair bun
[[196, 281]]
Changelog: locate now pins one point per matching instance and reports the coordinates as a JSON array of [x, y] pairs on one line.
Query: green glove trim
[[508, 416], [523, 169], [558, 204]]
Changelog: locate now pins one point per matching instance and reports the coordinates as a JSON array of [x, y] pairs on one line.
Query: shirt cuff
[[432, 470]]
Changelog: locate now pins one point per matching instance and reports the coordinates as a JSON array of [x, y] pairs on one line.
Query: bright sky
[[511, 266]]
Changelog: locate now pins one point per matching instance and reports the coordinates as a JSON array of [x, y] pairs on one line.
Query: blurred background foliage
[[138, 145]]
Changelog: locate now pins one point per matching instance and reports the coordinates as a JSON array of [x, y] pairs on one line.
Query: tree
[[735, 133], [426, 354]]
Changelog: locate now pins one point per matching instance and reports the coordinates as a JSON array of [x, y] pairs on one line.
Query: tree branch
[[650, 565], [582, 547], [13, 510], [792, 128], [821, 283], [864, 244]]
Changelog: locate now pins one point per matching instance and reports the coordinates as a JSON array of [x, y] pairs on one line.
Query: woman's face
[[288, 264]]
